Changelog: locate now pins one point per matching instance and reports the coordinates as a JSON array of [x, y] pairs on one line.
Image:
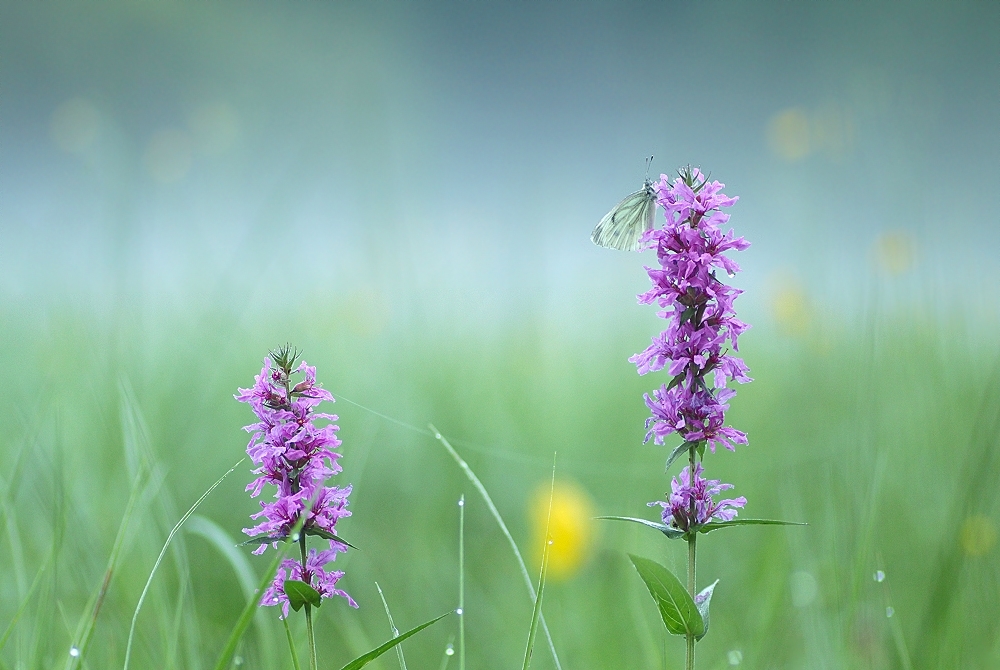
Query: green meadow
[[881, 435]]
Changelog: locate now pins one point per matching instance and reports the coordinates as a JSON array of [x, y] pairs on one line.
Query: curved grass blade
[[365, 659], [669, 531], [81, 639], [291, 645], [223, 543], [27, 598], [392, 626], [677, 609], [503, 527], [716, 525], [461, 584], [537, 609], [226, 657], [163, 552]]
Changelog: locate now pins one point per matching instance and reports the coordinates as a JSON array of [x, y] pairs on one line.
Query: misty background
[[406, 191]]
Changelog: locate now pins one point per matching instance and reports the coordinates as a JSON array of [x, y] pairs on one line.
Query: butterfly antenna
[[649, 161]]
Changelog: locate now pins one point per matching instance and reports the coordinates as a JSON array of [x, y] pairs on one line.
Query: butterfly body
[[624, 225]]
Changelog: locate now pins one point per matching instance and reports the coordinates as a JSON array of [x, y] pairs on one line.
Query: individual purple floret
[[699, 309], [677, 510], [296, 457], [314, 574]]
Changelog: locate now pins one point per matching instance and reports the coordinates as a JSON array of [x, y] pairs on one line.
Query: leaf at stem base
[[677, 609]]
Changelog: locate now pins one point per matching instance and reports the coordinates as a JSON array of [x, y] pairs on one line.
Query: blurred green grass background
[[405, 191], [883, 439]]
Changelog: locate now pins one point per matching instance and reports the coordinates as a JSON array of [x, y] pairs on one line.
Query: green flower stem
[[692, 540], [309, 619]]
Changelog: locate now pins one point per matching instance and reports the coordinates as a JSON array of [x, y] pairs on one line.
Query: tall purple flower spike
[[296, 457], [699, 310]]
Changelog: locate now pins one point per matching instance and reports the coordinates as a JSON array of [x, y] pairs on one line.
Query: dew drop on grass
[[74, 652], [879, 576], [735, 657], [889, 612], [461, 503], [449, 650], [459, 611], [238, 660]]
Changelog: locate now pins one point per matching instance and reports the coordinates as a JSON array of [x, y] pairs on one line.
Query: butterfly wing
[[622, 227]]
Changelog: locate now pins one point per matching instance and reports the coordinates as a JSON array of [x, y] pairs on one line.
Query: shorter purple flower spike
[[296, 457], [677, 510]]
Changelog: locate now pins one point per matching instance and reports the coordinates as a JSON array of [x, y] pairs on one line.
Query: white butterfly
[[622, 227]]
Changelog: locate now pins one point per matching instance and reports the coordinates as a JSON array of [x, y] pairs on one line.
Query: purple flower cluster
[[691, 503], [296, 457], [690, 248]]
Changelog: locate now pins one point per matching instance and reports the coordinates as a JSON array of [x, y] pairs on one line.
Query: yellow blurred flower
[[570, 527], [790, 306], [978, 535], [788, 134], [896, 252], [794, 133]]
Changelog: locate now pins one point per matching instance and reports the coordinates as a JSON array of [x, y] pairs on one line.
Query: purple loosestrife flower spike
[[698, 307], [677, 509], [296, 457]]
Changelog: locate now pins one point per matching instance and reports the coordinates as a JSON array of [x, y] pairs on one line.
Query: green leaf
[[263, 539], [365, 659], [701, 450], [327, 535], [677, 609], [676, 453], [318, 532], [669, 531], [300, 593], [702, 601], [716, 525], [678, 378]]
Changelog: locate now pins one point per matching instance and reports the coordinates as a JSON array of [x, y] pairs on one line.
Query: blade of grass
[[225, 545], [85, 628], [362, 661], [291, 645], [537, 609], [24, 602], [159, 559], [392, 626], [461, 583], [503, 527], [248, 611]]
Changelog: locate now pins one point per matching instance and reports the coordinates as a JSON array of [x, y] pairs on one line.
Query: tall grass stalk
[[392, 628], [547, 543], [291, 645], [461, 583], [503, 527], [85, 627], [159, 559]]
